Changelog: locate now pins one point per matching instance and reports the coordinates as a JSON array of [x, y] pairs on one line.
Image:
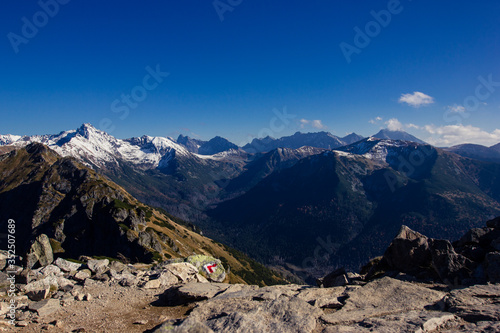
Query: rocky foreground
[[420, 285]]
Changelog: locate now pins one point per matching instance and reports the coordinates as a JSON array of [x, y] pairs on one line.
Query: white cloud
[[394, 125], [456, 108], [313, 123], [417, 99], [373, 121], [451, 135], [412, 126]]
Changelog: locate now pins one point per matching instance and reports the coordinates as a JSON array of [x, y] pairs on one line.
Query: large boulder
[[98, 266], [336, 278], [40, 252], [413, 253], [209, 267], [236, 314], [408, 252]]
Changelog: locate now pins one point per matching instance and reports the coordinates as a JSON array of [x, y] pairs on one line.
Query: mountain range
[[309, 202], [83, 213]]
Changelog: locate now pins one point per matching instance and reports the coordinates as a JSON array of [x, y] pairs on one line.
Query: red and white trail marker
[[210, 268]]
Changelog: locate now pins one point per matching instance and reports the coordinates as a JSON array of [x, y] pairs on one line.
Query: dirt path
[[111, 309]]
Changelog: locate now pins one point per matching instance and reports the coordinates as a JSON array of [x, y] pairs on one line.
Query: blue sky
[[234, 66]]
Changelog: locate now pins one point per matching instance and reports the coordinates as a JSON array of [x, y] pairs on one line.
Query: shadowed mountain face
[[477, 152], [349, 204]]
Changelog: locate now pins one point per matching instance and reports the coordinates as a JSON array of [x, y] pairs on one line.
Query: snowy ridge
[[375, 149], [8, 139], [95, 147]]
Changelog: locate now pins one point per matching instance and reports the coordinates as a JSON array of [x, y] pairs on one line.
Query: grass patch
[[120, 204], [124, 227], [56, 246]]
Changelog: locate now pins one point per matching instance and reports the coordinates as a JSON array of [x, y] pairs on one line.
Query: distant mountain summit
[[351, 138], [323, 140], [216, 145], [191, 144], [397, 135]]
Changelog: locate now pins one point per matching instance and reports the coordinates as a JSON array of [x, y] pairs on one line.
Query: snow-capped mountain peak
[[8, 139]]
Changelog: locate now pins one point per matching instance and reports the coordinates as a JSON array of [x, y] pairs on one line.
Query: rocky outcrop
[[383, 305], [472, 259]]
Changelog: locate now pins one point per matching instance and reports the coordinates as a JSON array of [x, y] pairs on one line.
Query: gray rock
[[3, 259], [117, 266], [40, 252], [472, 237], [336, 278], [98, 266], [50, 270], [382, 297], [167, 278], [408, 252], [192, 292], [38, 294], [152, 284], [45, 307], [476, 303], [408, 322], [128, 280], [450, 266], [187, 326], [210, 267], [46, 283], [236, 315], [67, 266], [184, 271], [82, 275]]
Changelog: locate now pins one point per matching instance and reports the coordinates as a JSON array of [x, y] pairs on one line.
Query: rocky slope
[[98, 295], [60, 204]]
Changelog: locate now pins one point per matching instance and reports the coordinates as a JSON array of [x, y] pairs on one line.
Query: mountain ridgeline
[[307, 203]]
